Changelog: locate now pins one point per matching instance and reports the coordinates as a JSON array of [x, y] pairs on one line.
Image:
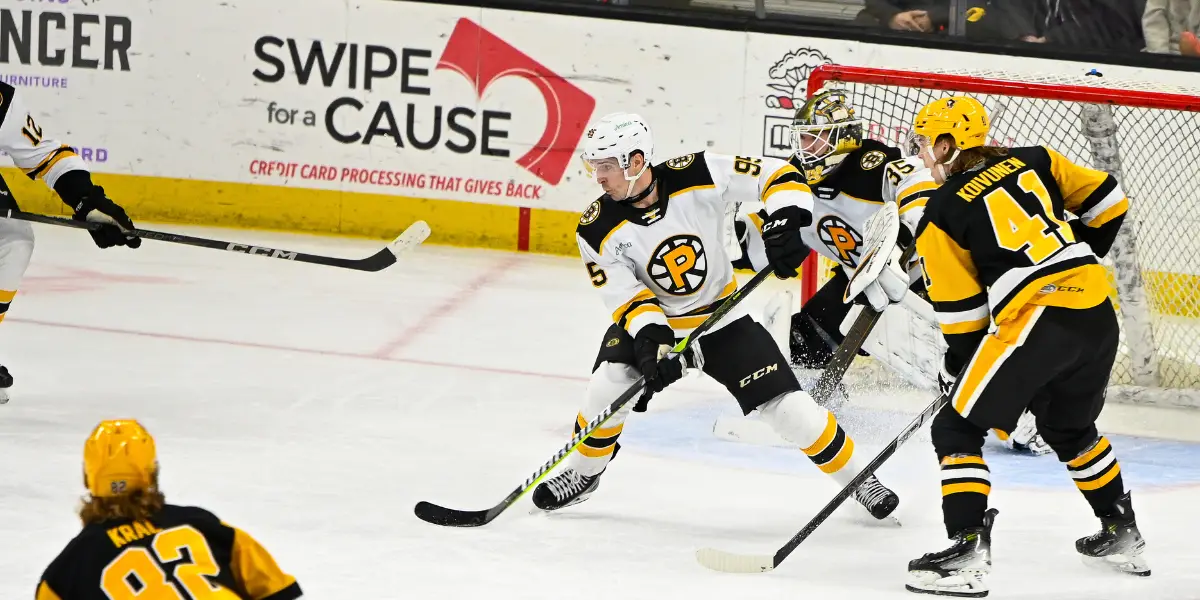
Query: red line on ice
[[448, 307]]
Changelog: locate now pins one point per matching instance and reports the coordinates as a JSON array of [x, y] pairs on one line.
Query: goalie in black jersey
[[1010, 247], [135, 545]]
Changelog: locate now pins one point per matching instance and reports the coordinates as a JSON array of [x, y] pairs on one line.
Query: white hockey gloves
[[879, 280], [889, 287]]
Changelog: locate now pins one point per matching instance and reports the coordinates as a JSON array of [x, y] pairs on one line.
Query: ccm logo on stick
[[260, 251], [758, 374]]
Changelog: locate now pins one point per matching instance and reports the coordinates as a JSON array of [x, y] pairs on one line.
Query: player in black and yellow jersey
[[1010, 247], [134, 545]]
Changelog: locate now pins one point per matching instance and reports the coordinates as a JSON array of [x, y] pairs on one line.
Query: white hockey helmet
[[617, 135]]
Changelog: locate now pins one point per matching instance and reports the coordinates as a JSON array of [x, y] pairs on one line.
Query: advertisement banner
[[338, 114]]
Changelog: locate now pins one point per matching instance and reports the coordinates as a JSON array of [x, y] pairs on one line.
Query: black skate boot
[[1118, 545], [6, 382], [960, 570], [876, 498], [565, 489]]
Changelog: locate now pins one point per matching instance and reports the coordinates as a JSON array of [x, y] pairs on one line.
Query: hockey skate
[[960, 570], [1118, 545], [6, 382], [565, 489], [876, 498]]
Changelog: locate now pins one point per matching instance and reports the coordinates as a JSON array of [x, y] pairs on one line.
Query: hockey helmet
[[119, 457], [824, 130], [962, 117], [617, 136]]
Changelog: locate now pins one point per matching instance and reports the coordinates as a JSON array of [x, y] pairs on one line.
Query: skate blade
[[1118, 563], [961, 585]]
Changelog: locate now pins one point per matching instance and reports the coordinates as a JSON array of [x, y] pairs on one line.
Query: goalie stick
[[440, 515], [416, 233], [729, 562]]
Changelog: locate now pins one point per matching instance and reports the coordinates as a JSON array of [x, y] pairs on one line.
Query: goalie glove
[[888, 288]]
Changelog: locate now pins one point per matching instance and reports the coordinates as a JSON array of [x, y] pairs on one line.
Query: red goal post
[[1146, 134]]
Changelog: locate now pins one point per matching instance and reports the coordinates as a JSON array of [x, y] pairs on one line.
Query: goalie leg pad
[[907, 339]]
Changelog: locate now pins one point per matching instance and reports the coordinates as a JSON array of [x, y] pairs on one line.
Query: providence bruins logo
[[678, 265], [682, 162], [590, 214], [842, 239], [872, 159]]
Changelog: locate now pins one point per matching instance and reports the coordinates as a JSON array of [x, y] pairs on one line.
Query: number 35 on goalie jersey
[[997, 238], [669, 263]]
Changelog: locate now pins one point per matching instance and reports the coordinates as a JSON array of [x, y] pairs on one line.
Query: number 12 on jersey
[[1019, 230]]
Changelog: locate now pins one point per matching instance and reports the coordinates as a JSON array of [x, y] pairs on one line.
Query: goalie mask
[[608, 149], [824, 130]]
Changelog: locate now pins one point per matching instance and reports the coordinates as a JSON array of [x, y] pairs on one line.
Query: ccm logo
[[759, 374], [776, 224], [260, 251]]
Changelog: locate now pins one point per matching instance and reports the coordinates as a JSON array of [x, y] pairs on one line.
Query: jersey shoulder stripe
[[598, 221], [683, 173]]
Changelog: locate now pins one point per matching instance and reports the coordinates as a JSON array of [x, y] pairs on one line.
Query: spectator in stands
[[926, 16], [1170, 26], [1081, 24]]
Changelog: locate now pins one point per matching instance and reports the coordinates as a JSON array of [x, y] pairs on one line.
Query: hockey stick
[[439, 515], [729, 562], [851, 344], [412, 237]]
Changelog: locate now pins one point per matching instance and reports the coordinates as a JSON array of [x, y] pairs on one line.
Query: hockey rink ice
[[313, 407]]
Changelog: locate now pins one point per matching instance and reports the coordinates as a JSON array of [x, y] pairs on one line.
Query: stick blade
[[448, 517], [728, 562], [414, 236]]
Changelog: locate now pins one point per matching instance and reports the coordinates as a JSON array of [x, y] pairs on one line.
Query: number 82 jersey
[[180, 552]]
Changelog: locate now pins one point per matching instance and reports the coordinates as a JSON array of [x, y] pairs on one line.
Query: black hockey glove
[[652, 343], [946, 379], [781, 235], [95, 207]]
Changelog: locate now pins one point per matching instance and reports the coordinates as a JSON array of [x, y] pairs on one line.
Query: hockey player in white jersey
[[654, 246], [24, 139], [851, 178]]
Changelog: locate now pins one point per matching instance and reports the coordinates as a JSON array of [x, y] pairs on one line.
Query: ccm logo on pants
[[758, 374]]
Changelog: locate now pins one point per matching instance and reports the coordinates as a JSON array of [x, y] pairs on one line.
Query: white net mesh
[[1147, 135]]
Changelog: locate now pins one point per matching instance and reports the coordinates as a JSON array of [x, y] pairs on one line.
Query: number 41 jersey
[[180, 552], [669, 263]]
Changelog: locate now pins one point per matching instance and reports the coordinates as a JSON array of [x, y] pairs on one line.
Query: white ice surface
[[314, 407]]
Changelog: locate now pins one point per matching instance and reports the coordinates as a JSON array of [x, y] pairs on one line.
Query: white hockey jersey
[[842, 202], [24, 140], [669, 263]]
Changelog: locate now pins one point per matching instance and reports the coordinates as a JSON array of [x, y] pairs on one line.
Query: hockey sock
[[608, 381], [6, 298], [1098, 475], [966, 482], [832, 450]]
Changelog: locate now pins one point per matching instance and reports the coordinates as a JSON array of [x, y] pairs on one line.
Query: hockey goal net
[[1145, 134]]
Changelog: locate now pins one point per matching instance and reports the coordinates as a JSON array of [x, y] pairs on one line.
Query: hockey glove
[[97, 208], [650, 347], [946, 380], [887, 289], [786, 250]]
